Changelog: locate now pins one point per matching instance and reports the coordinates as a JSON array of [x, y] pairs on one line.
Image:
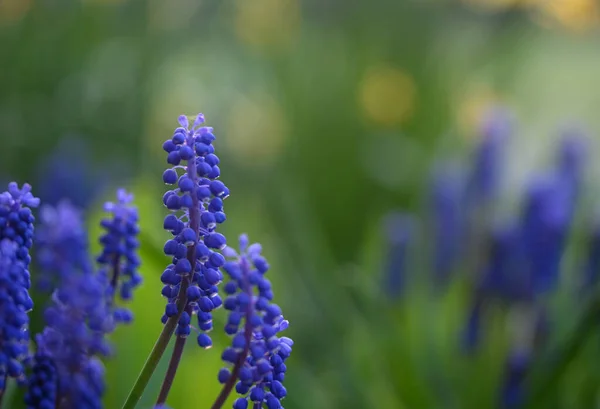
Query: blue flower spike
[[16, 238], [257, 353], [119, 260], [196, 209]]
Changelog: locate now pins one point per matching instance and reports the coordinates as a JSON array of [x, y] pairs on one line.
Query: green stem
[[151, 363], [545, 377], [159, 348]]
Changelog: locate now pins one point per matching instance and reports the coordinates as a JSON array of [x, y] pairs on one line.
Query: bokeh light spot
[[387, 95], [267, 24], [256, 129], [12, 11]]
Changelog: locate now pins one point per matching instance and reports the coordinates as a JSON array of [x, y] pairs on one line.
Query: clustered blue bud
[[42, 384], [61, 245], [119, 260], [196, 206], [74, 340], [16, 234], [257, 353]]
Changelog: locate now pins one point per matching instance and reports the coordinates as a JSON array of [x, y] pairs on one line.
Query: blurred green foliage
[[328, 115]]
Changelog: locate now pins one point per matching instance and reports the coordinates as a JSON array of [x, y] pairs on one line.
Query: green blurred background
[[328, 114]]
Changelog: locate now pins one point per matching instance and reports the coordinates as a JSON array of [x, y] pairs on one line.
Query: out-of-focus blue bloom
[[512, 393], [502, 273], [61, 244], [448, 219], [42, 384], [485, 175], [69, 174], [74, 340], [592, 262], [572, 155], [471, 333], [399, 230], [546, 220], [196, 206], [257, 353], [119, 260], [16, 234]]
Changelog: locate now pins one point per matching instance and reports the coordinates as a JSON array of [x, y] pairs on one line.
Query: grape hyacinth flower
[[196, 205], [512, 390], [42, 384], [399, 229], [257, 353], [62, 245], [448, 217], [74, 340], [485, 175], [119, 261], [16, 234]]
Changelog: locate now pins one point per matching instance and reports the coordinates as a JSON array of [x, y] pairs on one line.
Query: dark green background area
[[312, 169]]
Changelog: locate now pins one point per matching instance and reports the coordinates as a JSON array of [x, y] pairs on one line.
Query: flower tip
[[183, 121], [199, 120]]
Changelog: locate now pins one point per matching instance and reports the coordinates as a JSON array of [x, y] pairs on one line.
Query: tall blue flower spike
[[196, 206], [74, 340], [257, 353], [546, 220], [61, 244], [399, 230], [119, 260], [484, 178], [448, 221], [16, 234]]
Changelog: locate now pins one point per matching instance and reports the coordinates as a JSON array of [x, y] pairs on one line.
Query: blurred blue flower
[[61, 244], [485, 175], [399, 230], [448, 221], [512, 392], [69, 173], [74, 339]]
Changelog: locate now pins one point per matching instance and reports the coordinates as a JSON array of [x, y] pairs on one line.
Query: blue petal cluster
[[61, 244], [74, 340], [16, 233], [42, 384], [196, 205], [257, 353], [119, 260]]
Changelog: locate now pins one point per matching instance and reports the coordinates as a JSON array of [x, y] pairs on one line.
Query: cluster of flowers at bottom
[[257, 352], [74, 339]]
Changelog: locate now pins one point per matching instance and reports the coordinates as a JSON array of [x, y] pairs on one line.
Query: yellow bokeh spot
[[256, 129], [494, 5], [11, 11], [572, 14], [267, 23], [387, 95], [472, 107]]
